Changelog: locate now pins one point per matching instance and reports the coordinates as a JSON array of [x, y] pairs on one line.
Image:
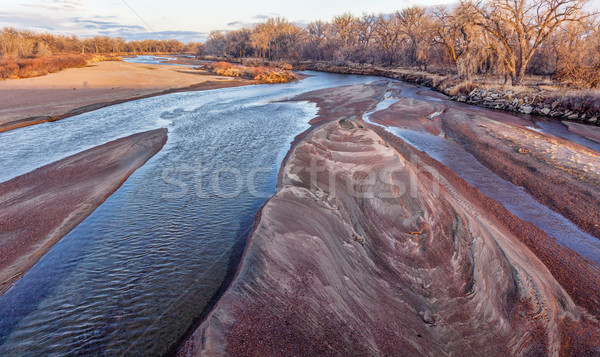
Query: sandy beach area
[[39, 208], [77, 90]]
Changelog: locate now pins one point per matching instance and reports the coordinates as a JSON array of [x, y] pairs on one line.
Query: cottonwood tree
[[16, 43], [365, 31], [317, 34], [344, 29], [520, 27], [216, 44], [277, 38], [454, 32], [238, 43], [388, 37], [577, 49], [415, 26]]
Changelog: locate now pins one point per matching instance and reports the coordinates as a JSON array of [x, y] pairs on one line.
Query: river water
[[133, 276], [149, 59], [513, 197]]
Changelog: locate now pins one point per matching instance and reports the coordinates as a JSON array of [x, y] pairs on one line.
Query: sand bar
[[77, 90], [38, 208]]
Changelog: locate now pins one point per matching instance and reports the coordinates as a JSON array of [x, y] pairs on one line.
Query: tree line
[[506, 38], [18, 44]]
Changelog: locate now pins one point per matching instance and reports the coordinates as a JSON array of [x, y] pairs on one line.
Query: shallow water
[[513, 197], [149, 59], [132, 277]]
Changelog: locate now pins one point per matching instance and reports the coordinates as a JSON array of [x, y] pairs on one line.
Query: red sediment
[[416, 115], [587, 131], [579, 277], [446, 271], [344, 102], [553, 170], [38, 208]]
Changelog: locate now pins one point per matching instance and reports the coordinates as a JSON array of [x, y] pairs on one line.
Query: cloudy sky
[[186, 20]]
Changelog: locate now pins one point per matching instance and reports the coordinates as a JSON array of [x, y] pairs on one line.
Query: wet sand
[[587, 131], [417, 262], [38, 208], [560, 174], [77, 90]]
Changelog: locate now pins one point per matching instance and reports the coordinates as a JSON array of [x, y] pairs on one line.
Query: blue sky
[[186, 20]]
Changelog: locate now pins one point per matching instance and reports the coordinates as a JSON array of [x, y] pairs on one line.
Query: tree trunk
[[517, 78]]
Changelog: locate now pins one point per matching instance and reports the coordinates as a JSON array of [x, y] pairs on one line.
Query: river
[[131, 278], [142, 268]]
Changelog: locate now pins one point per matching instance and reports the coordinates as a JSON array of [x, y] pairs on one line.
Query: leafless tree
[[388, 37], [317, 34], [415, 26], [519, 27]]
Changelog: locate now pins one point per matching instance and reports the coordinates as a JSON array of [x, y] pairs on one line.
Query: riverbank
[[544, 100], [38, 208], [379, 226], [581, 106], [74, 91]]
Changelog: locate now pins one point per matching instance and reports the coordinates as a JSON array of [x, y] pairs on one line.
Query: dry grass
[[582, 101], [40, 66], [462, 88], [260, 74], [105, 57]]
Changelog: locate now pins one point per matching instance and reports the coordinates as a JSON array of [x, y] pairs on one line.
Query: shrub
[[39, 66], [271, 76], [285, 66], [260, 74], [580, 101], [462, 88]]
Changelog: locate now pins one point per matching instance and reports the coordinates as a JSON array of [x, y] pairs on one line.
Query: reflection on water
[[131, 278]]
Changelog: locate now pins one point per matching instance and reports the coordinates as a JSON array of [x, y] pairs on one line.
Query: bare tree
[[577, 48], [388, 37], [519, 27], [216, 43], [365, 37], [415, 25], [317, 34], [238, 43], [452, 31]]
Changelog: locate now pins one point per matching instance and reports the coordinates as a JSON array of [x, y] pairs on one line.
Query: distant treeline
[[17, 44], [26, 54], [506, 38]]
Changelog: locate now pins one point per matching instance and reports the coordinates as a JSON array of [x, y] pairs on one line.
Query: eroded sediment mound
[[38, 208], [367, 250]]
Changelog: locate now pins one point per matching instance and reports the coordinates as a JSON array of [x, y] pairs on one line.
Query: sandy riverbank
[[39, 208], [333, 254], [77, 90]]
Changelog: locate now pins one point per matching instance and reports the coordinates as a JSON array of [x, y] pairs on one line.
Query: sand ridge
[[40, 207], [77, 90], [444, 271]]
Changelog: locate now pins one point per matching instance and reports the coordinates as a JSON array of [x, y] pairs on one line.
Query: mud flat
[[74, 91], [371, 247], [38, 208]]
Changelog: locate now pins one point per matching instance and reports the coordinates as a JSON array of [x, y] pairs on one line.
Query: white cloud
[[58, 5]]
